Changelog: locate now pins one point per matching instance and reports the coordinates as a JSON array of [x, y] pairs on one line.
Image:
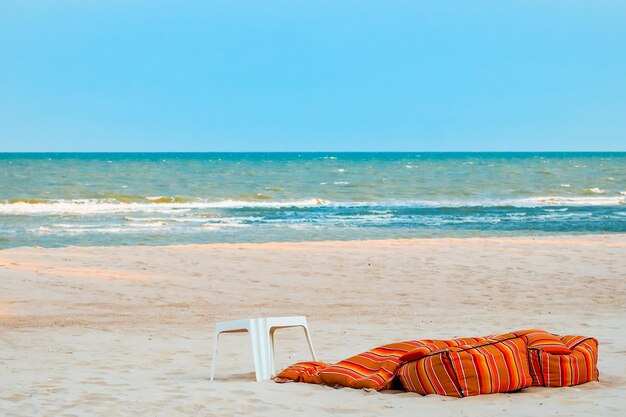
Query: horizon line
[[304, 152]]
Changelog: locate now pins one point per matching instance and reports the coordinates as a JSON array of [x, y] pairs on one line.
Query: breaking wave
[[35, 206]]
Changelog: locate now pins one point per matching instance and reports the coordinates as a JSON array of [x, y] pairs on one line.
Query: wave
[[159, 206], [160, 227], [26, 201], [576, 201]]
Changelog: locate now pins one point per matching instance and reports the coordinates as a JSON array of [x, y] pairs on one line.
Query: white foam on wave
[[576, 201], [224, 225], [84, 207], [177, 219], [530, 202], [95, 207], [81, 229]]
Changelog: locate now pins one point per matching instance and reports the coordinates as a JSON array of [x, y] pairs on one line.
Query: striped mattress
[[461, 367]]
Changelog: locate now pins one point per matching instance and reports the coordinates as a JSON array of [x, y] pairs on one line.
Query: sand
[[127, 331]]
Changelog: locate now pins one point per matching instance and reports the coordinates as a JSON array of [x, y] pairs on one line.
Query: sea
[[86, 199]]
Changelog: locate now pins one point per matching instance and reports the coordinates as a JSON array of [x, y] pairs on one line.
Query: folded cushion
[[373, 369], [578, 367], [490, 367], [461, 371], [432, 374]]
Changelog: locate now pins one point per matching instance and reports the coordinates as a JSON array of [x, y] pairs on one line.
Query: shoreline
[[545, 238]]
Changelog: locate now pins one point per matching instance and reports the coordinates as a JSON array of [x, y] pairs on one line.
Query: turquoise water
[[52, 200]]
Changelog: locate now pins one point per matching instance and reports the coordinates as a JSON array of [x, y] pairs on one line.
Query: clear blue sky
[[312, 75]]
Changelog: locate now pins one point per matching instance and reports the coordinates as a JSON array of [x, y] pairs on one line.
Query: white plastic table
[[262, 336]]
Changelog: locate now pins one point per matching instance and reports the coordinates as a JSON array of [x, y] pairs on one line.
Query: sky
[[312, 75]]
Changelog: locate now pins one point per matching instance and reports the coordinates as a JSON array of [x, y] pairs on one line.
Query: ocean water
[[52, 199]]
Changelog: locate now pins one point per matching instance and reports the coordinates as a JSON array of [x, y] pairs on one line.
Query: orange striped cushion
[[302, 372], [578, 367], [458, 367], [432, 374], [490, 367], [374, 369], [483, 368], [542, 340]]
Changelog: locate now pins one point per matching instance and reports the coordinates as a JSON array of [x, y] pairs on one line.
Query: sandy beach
[[127, 331]]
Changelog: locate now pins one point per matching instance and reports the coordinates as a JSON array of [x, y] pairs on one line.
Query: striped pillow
[[490, 367], [302, 372], [462, 371], [578, 367], [373, 369], [432, 374]]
